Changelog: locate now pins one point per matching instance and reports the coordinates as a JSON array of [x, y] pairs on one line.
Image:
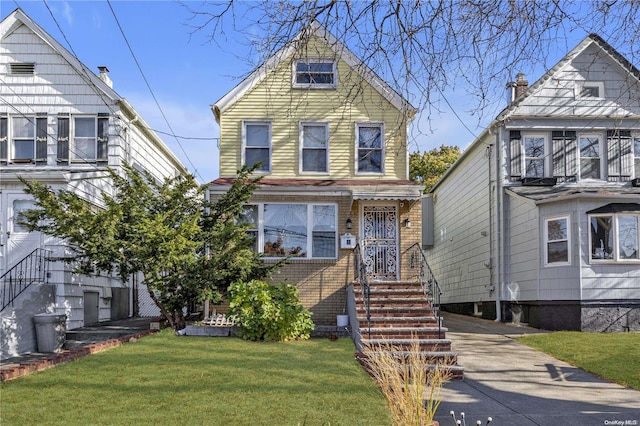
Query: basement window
[[22, 68]]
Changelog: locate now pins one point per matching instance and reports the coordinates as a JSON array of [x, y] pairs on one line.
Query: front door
[[16, 242], [380, 240]]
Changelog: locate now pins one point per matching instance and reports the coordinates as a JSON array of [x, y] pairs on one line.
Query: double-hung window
[[315, 73], [614, 237], [557, 242], [314, 147], [256, 140], [83, 138], [296, 230], [369, 148], [590, 150], [534, 155]]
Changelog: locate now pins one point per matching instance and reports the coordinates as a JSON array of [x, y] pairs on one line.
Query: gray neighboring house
[[538, 221]]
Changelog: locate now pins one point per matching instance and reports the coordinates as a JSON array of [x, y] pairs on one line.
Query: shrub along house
[[62, 125], [554, 187]]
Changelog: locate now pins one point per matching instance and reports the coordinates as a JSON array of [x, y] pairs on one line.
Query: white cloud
[[67, 12]]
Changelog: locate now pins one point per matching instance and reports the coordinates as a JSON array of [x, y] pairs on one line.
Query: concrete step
[[400, 345]]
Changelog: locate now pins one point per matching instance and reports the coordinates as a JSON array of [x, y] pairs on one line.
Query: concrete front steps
[[402, 318]]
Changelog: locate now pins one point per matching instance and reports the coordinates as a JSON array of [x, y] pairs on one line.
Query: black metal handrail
[[430, 286], [360, 272], [32, 269]]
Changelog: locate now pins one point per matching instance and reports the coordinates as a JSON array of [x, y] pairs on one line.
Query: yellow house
[[331, 140]]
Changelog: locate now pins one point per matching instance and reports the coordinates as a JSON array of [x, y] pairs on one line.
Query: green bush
[[269, 312]]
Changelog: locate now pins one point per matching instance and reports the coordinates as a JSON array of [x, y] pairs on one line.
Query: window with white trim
[[89, 141], [534, 155], [369, 148], [314, 147], [256, 141], [315, 73], [296, 230], [589, 90], [590, 150], [614, 237], [557, 241]]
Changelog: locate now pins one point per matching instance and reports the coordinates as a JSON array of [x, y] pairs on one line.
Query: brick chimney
[[518, 87], [104, 76]]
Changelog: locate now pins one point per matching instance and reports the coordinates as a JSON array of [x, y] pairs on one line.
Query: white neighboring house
[[539, 219], [62, 125]]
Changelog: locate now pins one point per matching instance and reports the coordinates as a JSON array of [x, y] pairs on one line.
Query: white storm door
[[380, 240], [17, 241]]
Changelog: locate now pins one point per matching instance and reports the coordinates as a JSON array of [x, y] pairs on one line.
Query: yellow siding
[[276, 100]]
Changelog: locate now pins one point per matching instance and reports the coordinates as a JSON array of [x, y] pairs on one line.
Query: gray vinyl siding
[[556, 97], [460, 251], [524, 256], [560, 282]]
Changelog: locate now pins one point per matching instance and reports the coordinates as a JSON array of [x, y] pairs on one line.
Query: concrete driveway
[[519, 386]]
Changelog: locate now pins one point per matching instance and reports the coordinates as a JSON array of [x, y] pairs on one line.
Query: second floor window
[[29, 139], [534, 155], [314, 147], [257, 145], [370, 148], [589, 156]]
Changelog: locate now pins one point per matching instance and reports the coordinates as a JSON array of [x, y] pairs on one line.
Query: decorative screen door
[[380, 241]]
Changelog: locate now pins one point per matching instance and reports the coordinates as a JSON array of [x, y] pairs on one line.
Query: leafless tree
[[424, 48]]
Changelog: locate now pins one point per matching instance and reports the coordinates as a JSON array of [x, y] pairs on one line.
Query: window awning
[[616, 208]]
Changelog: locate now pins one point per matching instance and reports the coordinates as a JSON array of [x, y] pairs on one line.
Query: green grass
[[164, 380], [612, 356]]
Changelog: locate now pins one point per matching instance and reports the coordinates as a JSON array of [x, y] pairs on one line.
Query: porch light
[[407, 223], [349, 223]]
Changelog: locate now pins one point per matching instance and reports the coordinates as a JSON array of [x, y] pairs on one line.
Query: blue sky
[[187, 73]]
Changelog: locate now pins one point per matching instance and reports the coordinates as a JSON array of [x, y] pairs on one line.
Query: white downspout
[[499, 266]]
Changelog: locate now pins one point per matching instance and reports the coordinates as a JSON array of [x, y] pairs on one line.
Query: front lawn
[[164, 379], [613, 356]]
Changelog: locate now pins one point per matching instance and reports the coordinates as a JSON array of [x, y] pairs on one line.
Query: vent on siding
[[23, 68]]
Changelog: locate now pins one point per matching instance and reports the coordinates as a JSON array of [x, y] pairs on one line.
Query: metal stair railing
[[33, 268], [360, 271], [430, 286]]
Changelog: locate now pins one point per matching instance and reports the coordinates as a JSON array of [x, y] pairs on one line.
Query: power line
[[151, 91]]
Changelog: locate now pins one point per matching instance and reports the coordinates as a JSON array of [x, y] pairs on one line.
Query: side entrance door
[[16, 242], [380, 240], [91, 307]]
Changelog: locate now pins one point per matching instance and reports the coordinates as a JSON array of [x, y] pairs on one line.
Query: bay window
[[557, 243], [614, 237]]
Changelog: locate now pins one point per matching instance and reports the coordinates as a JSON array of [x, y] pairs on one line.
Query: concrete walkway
[[519, 386]]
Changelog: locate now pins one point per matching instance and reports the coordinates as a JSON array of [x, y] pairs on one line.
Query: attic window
[[315, 73], [589, 90], [22, 68]]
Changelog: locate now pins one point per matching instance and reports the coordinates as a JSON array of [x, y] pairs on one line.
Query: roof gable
[[18, 18], [290, 49], [591, 60]]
